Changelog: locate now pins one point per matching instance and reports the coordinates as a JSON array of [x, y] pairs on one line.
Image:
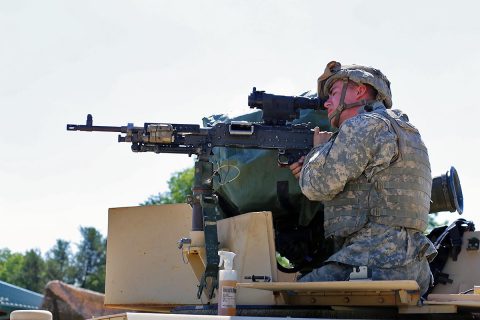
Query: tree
[[11, 266], [59, 262], [85, 269], [90, 260], [23, 270], [179, 185], [5, 254], [33, 271]]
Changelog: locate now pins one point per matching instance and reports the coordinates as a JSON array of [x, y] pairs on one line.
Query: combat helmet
[[356, 73]]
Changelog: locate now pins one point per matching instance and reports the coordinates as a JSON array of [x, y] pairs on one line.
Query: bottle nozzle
[[226, 258]]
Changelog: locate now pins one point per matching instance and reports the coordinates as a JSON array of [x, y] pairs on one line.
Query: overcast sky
[[178, 61]]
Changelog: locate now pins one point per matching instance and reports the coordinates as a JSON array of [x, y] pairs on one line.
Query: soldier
[[373, 176]]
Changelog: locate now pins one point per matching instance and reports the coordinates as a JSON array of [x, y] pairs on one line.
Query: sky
[[179, 61]]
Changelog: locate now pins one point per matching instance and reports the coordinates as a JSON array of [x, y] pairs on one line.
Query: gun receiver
[[291, 141], [275, 133]]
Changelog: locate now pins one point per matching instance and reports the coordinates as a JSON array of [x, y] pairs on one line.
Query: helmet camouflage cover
[[356, 73]]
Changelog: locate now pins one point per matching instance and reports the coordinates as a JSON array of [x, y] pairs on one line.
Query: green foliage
[[90, 260], [5, 254], [24, 270], [85, 269], [33, 271], [59, 262], [11, 266], [179, 185]]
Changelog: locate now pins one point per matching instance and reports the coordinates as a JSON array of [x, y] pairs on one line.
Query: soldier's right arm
[[360, 143]]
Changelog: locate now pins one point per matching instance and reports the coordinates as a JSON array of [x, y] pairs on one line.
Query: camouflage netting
[[67, 302]]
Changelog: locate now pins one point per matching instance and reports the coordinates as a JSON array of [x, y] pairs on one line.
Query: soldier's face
[[334, 96]]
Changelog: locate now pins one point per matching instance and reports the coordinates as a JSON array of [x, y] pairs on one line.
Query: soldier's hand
[[296, 167], [320, 137]]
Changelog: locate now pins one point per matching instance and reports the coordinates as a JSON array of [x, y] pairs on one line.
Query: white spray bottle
[[227, 287]]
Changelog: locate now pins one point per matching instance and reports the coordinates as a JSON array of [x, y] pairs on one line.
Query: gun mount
[[290, 140]]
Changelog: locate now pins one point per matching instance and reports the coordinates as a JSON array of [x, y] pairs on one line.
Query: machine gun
[[275, 132]]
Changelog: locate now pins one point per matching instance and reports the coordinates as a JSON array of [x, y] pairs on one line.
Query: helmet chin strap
[[341, 106], [334, 117]]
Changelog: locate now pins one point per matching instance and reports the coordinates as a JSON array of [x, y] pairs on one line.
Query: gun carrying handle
[[241, 128]]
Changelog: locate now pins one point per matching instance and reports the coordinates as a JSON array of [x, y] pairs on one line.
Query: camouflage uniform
[[393, 249]]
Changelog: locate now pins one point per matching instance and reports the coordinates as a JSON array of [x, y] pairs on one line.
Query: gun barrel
[[79, 127], [90, 127]]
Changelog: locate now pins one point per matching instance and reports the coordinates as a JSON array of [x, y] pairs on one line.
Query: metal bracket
[[209, 279], [255, 278]]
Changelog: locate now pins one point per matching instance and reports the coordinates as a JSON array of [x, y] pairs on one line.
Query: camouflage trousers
[[416, 270]]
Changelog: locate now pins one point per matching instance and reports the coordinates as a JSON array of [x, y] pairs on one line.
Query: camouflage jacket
[[363, 146]]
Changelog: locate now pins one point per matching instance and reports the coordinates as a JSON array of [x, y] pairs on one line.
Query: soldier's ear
[[361, 90]]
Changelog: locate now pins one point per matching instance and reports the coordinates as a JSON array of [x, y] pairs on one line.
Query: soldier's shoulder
[[364, 123]]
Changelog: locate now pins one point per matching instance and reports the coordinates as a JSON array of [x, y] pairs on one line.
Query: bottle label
[[228, 297]]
